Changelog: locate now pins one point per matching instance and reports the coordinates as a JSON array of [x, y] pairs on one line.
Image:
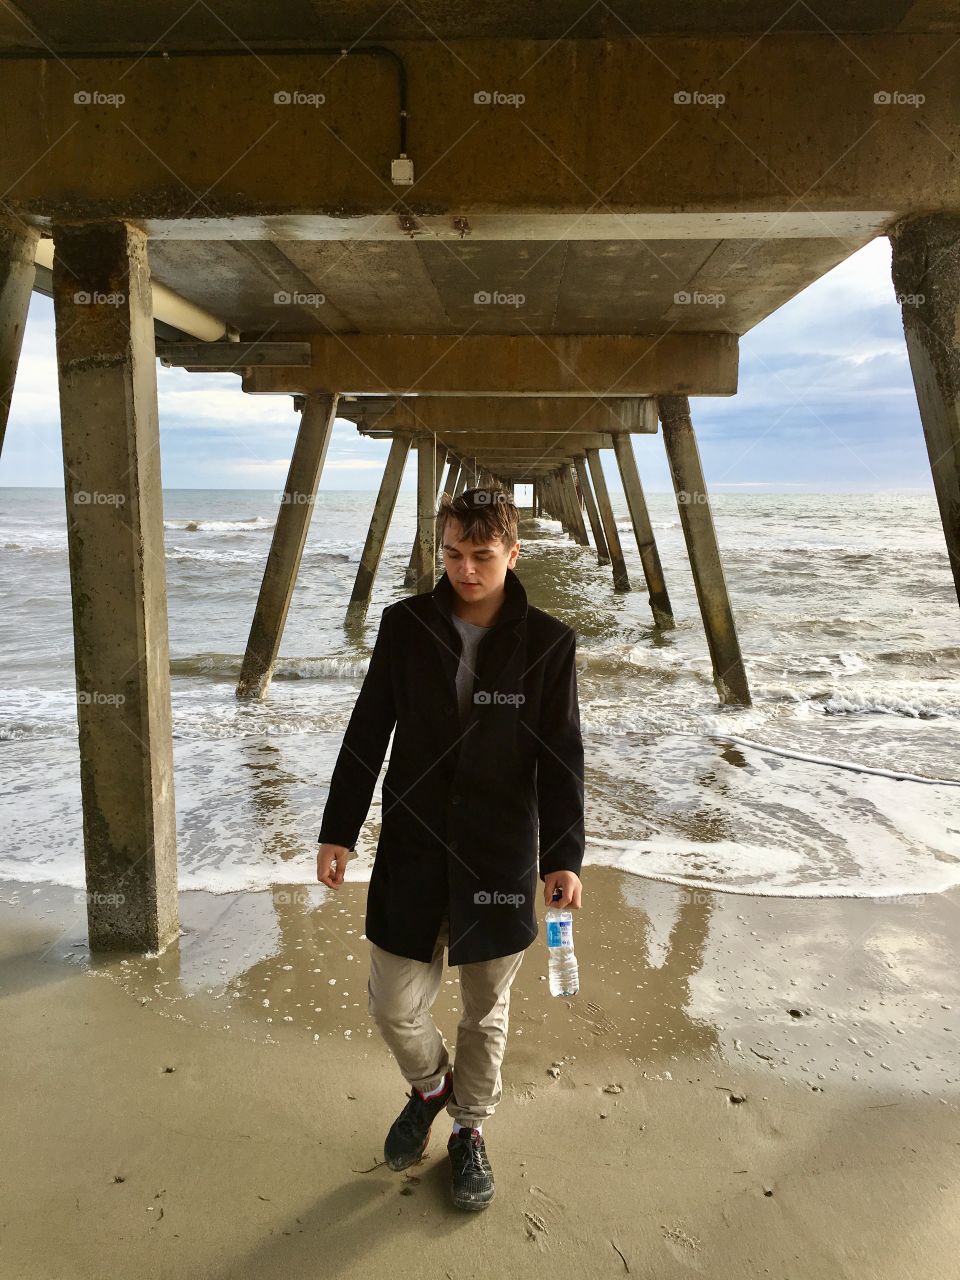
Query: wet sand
[[743, 1087]]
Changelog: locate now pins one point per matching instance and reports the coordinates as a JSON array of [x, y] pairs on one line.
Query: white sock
[[434, 1092], [457, 1126]]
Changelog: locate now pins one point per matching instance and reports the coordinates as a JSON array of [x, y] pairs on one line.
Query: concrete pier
[[18, 243], [426, 514], [593, 514], [621, 581], [926, 276], [380, 520], [111, 468], [643, 531], [696, 519], [286, 547]]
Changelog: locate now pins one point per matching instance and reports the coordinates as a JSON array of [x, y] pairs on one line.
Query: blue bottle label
[[559, 933]]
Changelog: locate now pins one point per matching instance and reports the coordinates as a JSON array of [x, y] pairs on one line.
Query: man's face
[[476, 570]]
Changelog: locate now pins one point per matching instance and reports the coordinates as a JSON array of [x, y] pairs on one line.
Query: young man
[[487, 756]]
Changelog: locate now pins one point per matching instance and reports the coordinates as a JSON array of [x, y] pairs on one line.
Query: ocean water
[[842, 778]]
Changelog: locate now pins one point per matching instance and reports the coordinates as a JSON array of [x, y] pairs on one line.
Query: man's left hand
[[568, 882]]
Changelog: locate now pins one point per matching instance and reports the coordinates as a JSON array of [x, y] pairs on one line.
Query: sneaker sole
[[397, 1166], [472, 1203]]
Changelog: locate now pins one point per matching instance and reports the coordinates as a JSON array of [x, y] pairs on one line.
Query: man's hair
[[483, 514]]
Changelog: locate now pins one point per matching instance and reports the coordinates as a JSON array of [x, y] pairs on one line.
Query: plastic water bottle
[[562, 963]]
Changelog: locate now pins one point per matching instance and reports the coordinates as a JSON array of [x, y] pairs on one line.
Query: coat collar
[[513, 609]]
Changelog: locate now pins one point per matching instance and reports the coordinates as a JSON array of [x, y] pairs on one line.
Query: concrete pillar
[[18, 246], [603, 553], [557, 509], [729, 676], [286, 548], [643, 530], [620, 580], [111, 467], [383, 510], [453, 476], [534, 498], [573, 503], [413, 573], [926, 277], [426, 514]]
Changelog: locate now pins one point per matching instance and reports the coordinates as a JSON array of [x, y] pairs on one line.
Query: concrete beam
[[17, 250], [926, 276], [530, 415], [286, 548], [473, 158], [111, 466], [588, 366], [696, 519]]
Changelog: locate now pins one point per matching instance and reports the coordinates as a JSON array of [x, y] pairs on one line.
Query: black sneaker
[[472, 1178], [410, 1132]]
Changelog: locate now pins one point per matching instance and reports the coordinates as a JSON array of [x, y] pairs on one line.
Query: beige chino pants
[[401, 992]]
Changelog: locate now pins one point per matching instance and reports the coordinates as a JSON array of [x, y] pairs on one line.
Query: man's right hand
[[332, 861]]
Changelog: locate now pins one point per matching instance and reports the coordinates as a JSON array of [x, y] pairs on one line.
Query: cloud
[[825, 399]]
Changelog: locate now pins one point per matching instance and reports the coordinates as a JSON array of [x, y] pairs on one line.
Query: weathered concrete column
[[426, 514], [558, 508], [383, 510], [729, 675], [573, 503], [926, 277], [18, 246], [453, 476], [643, 530], [413, 572], [534, 498], [620, 580], [111, 467], [286, 547], [603, 553]]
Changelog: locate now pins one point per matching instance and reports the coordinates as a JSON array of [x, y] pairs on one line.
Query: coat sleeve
[[363, 749], [560, 766]]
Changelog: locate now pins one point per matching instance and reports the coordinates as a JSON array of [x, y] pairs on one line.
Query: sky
[[826, 404]]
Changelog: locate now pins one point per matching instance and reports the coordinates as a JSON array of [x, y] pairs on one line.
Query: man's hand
[[327, 856], [568, 882]]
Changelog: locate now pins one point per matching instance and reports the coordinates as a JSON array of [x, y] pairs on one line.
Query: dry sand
[[769, 1087]]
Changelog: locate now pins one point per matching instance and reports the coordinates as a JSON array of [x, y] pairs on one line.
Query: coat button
[[452, 845], [456, 799]]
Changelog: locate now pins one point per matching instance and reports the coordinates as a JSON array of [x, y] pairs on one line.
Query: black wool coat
[[473, 816]]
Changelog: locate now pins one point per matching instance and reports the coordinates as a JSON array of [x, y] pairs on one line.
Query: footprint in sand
[[541, 1217], [682, 1245]]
